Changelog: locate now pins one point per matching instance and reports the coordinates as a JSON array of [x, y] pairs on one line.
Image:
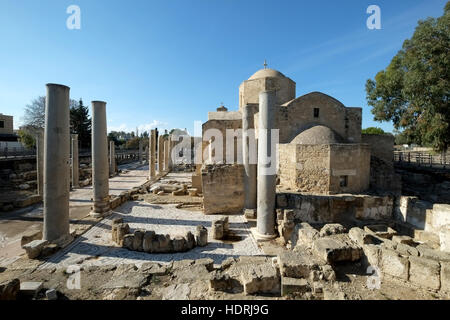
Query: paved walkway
[[14, 224]]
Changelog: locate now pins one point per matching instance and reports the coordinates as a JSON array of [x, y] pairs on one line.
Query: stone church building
[[321, 149]]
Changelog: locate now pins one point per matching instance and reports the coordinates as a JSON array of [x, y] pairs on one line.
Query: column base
[[100, 209], [262, 237]]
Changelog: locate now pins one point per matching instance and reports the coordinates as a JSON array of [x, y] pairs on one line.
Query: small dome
[[265, 73], [317, 135]]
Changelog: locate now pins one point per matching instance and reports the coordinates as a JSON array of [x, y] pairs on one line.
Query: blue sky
[[168, 62]]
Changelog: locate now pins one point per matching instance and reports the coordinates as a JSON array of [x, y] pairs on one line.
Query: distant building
[[8, 139]]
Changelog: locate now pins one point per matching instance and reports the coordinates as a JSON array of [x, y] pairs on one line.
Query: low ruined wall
[[340, 208], [223, 188]]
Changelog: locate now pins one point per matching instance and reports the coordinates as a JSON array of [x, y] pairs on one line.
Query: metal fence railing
[[423, 159]]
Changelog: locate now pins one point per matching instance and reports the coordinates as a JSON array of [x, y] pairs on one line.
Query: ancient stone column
[[152, 154], [112, 158], [249, 157], [140, 151], [166, 155], [40, 161], [266, 169], [75, 162], [160, 154], [100, 165], [56, 164], [171, 144]]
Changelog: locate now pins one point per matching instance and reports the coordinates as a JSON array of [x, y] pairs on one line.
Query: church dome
[[317, 135], [265, 73]]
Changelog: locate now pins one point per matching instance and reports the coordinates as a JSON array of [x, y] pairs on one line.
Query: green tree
[[27, 138], [80, 122], [413, 91], [373, 130], [133, 143]]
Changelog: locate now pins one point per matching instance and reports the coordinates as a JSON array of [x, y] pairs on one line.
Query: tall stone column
[[160, 154], [166, 155], [249, 157], [171, 144], [152, 154], [266, 169], [112, 158], [140, 151], [100, 165], [40, 161], [75, 162], [56, 164]]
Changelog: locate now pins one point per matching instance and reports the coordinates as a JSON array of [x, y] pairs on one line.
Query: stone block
[[331, 229], [128, 241], [381, 230], [121, 230], [179, 244], [336, 249], [217, 229], [34, 248], [445, 277], [9, 289], [298, 264], [201, 236], [404, 240], [148, 240], [30, 236], [393, 264], [425, 272], [371, 255], [407, 250], [436, 255], [260, 279], [165, 244], [138, 240], [294, 285], [306, 235], [444, 237], [221, 281], [30, 288], [361, 237], [250, 213], [190, 240], [193, 192], [282, 201]]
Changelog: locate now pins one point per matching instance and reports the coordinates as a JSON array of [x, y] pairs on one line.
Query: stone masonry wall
[[223, 188]]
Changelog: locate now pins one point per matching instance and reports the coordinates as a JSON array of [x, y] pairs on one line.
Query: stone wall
[[352, 161], [222, 126], [319, 168], [298, 115], [223, 188], [339, 208], [304, 168], [7, 124]]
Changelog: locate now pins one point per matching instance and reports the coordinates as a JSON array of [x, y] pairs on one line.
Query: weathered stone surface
[[331, 229], [221, 281], [30, 288], [298, 264], [444, 237], [121, 230], [217, 229], [30, 236], [436, 255], [361, 237], [250, 213], [190, 240], [153, 268], [327, 273], [371, 255], [337, 248], [9, 290], [208, 263], [445, 276], [294, 285], [127, 276], [165, 244], [179, 244], [306, 234], [128, 241], [425, 272], [407, 250], [138, 240], [34, 248], [226, 224], [381, 230], [261, 278], [201, 236], [404, 240], [394, 264], [148, 240]]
